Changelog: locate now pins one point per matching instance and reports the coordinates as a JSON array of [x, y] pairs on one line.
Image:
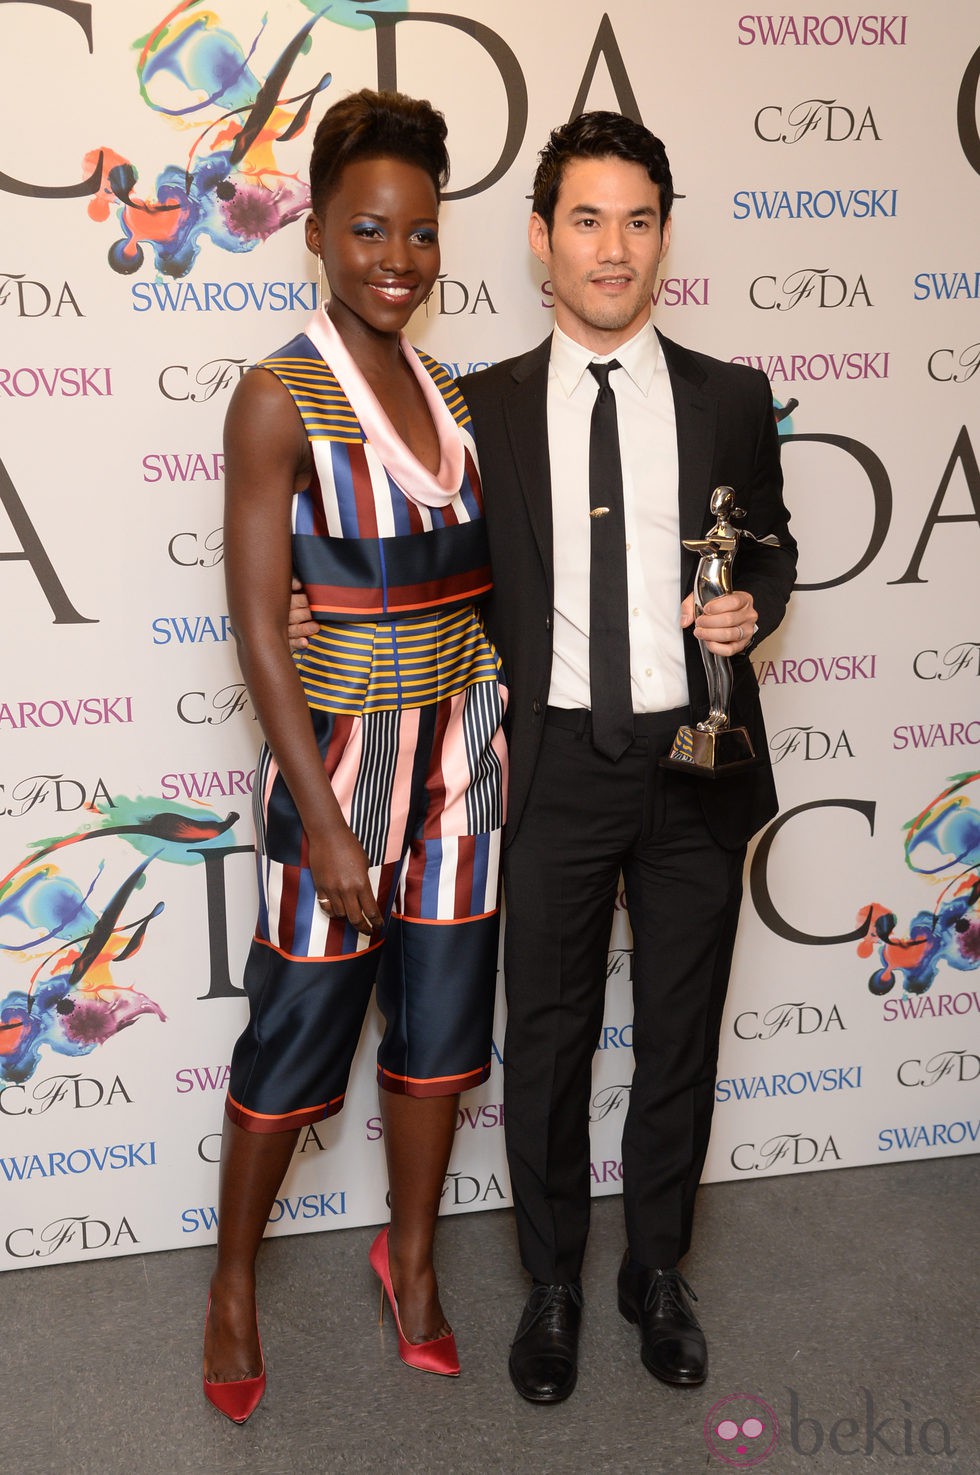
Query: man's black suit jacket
[[726, 436]]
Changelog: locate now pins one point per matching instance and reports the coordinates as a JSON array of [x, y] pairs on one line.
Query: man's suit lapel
[[525, 409], [695, 414]]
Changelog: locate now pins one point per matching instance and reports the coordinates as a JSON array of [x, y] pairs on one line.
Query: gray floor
[[812, 1288]]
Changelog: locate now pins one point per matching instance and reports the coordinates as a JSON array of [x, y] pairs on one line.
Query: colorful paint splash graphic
[[70, 938], [194, 72], [784, 415], [943, 845]]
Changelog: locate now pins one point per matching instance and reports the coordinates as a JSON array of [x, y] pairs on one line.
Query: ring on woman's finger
[[740, 635]]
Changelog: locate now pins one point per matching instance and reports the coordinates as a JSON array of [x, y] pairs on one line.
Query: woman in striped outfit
[[379, 793]]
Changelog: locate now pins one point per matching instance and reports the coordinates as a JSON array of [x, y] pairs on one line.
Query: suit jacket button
[[536, 707], [547, 622]]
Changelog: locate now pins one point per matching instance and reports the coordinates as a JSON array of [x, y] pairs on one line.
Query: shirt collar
[[639, 357]]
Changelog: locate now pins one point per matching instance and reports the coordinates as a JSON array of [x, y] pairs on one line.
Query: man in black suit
[[586, 629]]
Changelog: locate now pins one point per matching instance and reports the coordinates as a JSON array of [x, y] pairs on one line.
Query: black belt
[[645, 724]]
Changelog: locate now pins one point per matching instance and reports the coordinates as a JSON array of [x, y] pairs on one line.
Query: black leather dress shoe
[[672, 1343], [544, 1354]]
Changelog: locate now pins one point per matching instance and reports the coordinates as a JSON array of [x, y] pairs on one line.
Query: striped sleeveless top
[[390, 580]]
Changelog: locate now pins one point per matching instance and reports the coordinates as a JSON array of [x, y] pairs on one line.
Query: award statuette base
[[710, 754]]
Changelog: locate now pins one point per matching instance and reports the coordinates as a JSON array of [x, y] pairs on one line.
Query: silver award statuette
[[714, 748]]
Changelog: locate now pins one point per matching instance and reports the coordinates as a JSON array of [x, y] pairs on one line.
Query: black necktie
[[609, 641]]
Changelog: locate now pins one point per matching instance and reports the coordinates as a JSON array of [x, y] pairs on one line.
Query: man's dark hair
[[377, 125], [599, 135]]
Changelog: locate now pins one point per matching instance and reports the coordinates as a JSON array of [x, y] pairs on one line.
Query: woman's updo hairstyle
[[377, 125]]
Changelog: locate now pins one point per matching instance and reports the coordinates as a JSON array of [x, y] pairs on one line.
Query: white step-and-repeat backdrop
[[827, 229]]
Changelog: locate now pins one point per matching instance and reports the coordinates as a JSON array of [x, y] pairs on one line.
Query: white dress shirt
[[648, 448]]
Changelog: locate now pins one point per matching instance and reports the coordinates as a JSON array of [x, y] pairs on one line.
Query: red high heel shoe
[[238, 1399], [437, 1356]]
